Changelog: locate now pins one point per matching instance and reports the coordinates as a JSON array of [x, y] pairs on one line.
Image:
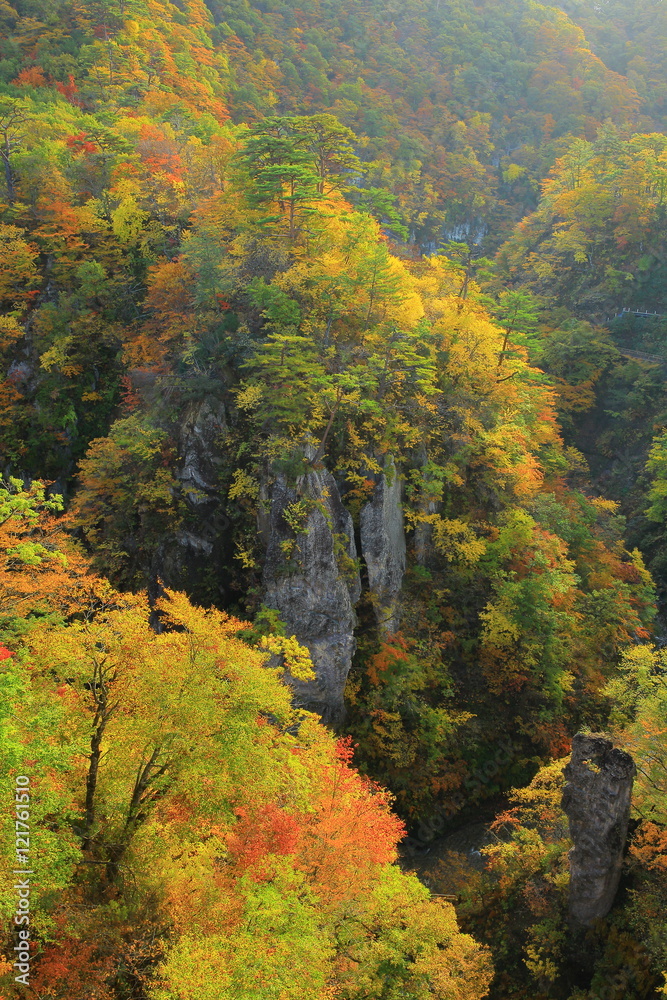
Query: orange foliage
[[351, 831], [504, 670], [391, 652], [31, 76], [72, 968], [338, 845], [171, 302], [649, 847], [159, 152], [10, 399], [69, 90], [53, 577], [131, 400]]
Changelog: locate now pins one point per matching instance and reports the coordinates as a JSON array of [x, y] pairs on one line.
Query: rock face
[[596, 799], [312, 580], [202, 425], [383, 548], [189, 559]]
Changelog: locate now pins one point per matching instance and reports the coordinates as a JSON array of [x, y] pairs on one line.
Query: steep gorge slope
[[217, 296], [223, 339]]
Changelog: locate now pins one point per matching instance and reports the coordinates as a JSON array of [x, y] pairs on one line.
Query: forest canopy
[[333, 443]]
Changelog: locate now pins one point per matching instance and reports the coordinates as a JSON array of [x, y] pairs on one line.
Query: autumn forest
[[333, 499]]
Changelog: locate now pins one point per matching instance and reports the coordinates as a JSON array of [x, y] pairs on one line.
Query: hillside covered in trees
[[333, 445]]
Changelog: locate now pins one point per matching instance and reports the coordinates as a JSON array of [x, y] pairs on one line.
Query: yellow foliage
[[10, 332], [56, 355], [249, 397], [243, 485], [296, 658], [18, 266], [603, 505], [39, 566], [456, 540], [128, 219], [500, 629], [245, 555]]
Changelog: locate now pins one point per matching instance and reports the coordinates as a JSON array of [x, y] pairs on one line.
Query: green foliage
[[407, 728], [25, 504], [127, 501], [657, 465], [586, 245], [518, 903]]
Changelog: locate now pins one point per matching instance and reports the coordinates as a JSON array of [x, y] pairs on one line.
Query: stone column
[[596, 799], [311, 578], [382, 535]]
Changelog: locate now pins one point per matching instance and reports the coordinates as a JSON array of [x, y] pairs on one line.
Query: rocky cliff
[[596, 799], [312, 579]]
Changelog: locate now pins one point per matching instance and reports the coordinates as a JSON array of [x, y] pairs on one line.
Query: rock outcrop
[[311, 578], [201, 427], [190, 559], [596, 800], [382, 533]]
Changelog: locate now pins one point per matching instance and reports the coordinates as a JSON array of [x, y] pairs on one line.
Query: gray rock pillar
[[383, 547], [312, 580], [596, 799]]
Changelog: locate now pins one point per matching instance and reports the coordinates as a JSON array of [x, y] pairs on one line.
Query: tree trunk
[[91, 779], [9, 180]]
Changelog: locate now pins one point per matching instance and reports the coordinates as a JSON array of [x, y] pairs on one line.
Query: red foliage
[[5, 653], [345, 750], [81, 143], [260, 833], [392, 652], [628, 572], [159, 152], [71, 968], [350, 832], [130, 398], [555, 738], [68, 90]]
